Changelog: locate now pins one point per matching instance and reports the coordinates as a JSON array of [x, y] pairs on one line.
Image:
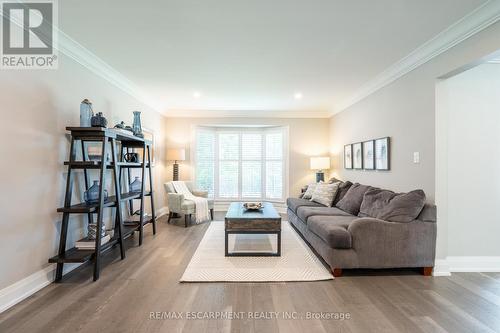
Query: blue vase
[[136, 185], [91, 196], [136, 126], [86, 113]]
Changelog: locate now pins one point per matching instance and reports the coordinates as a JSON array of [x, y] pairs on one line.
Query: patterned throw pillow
[[325, 193], [310, 190]]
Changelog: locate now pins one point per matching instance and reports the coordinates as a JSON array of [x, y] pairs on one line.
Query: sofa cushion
[[428, 213], [394, 207], [332, 229], [305, 212], [294, 203], [325, 193], [343, 188], [351, 202]]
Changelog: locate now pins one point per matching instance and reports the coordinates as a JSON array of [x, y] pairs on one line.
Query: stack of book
[[89, 244]]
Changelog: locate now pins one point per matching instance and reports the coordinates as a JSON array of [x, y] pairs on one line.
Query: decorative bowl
[[253, 205]]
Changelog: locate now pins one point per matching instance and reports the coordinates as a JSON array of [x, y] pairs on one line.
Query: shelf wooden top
[[121, 135]]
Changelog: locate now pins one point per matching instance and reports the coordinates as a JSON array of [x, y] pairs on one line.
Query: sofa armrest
[[408, 244], [175, 202], [200, 193]]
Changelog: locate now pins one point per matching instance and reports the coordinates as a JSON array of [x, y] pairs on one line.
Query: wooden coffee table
[[241, 221]]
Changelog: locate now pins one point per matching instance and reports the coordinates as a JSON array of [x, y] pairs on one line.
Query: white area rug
[[297, 261]]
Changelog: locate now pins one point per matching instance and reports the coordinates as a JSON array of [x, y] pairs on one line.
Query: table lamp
[[320, 164], [176, 154]]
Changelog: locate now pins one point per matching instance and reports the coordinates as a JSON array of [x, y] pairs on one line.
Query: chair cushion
[[352, 200], [294, 203], [389, 206], [332, 229], [305, 212]]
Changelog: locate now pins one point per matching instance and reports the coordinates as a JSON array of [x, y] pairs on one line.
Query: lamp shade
[[176, 154], [320, 163]]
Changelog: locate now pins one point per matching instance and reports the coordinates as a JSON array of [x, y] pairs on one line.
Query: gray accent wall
[[405, 111]]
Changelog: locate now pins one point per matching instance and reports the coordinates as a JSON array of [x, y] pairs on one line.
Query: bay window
[[240, 163]]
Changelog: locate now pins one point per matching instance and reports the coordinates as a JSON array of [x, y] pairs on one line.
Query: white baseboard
[[15, 293], [441, 268], [444, 267], [162, 211], [474, 264]]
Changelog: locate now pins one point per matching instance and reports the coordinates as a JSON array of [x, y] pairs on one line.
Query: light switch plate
[[416, 157]]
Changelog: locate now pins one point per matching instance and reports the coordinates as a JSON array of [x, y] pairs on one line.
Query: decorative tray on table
[[253, 205]]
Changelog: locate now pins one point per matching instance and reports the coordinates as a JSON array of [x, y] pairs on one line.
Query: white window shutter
[[205, 161], [274, 165], [241, 164], [251, 165]]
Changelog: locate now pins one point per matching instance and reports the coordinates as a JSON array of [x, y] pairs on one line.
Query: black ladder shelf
[[116, 164]]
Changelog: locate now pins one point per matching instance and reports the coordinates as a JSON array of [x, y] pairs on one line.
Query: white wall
[[36, 106], [470, 161]]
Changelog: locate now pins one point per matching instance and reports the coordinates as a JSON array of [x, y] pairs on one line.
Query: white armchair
[[177, 204]]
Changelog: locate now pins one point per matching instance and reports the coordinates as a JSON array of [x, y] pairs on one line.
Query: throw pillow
[[302, 192], [325, 193], [310, 190], [351, 202], [394, 207], [334, 180], [343, 188]]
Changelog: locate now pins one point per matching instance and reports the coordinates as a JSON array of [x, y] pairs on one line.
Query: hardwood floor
[[147, 281]]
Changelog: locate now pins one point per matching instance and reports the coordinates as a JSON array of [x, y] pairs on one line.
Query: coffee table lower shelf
[[253, 254]]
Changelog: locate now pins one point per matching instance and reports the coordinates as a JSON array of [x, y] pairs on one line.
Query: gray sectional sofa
[[345, 240]]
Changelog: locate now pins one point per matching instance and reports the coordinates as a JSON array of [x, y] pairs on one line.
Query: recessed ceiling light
[[196, 94], [297, 95]]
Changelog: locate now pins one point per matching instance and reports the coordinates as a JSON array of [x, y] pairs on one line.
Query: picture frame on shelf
[[357, 155], [382, 154], [348, 157], [369, 155]]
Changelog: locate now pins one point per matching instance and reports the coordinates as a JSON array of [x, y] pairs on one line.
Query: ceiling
[[242, 56]]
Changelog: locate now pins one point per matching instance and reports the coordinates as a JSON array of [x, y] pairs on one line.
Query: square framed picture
[[382, 153], [369, 155], [348, 157], [357, 155]]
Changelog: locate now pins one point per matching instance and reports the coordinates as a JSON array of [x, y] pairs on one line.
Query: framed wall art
[[357, 155], [348, 157], [369, 155], [382, 154]]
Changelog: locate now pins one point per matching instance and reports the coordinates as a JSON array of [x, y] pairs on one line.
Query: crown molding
[[246, 114], [74, 50], [77, 52], [476, 21]]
